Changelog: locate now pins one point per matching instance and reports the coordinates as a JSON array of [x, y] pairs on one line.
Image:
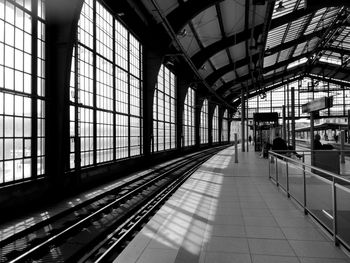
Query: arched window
[[224, 133], [204, 122], [215, 125], [22, 90], [106, 95], [188, 127], [164, 131]]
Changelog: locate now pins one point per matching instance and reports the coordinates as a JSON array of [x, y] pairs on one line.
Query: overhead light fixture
[[169, 63], [280, 7], [268, 51], [263, 95], [182, 33]]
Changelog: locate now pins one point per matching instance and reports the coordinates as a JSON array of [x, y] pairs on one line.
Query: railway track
[[96, 230]]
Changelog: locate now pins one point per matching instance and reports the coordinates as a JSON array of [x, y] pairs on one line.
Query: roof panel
[[270, 60], [238, 51], [284, 54], [167, 5], [299, 49], [295, 28], [229, 76], [206, 70], [220, 59], [233, 16], [290, 6], [189, 42], [242, 71], [207, 26], [275, 36]]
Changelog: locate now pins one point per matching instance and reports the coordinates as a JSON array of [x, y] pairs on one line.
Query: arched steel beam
[[200, 57], [229, 84], [300, 70], [212, 78], [186, 11], [276, 77]]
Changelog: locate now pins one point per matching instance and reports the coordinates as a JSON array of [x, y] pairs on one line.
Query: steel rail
[[167, 191], [85, 220], [92, 200]]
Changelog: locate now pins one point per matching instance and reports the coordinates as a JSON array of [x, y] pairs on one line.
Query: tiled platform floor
[[227, 213]]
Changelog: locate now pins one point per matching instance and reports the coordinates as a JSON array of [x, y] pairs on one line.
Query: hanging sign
[[318, 104]]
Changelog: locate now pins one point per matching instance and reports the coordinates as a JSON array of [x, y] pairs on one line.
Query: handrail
[[335, 182], [330, 150], [333, 175]]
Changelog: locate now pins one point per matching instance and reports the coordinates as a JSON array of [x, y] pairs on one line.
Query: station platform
[[231, 212]]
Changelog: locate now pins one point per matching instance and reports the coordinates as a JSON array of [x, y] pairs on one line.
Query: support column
[[242, 120], [342, 142], [293, 116], [312, 131], [247, 120], [199, 104], [236, 151], [312, 137], [288, 119], [152, 64], [61, 27], [182, 88]]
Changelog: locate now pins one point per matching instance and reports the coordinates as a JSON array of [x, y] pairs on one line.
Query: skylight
[[297, 63]]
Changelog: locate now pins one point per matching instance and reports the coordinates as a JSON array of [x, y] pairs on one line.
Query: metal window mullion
[[77, 142], [94, 77], [2, 118], [328, 110], [128, 58], [164, 83], [141, 101], [114, 95], [343, 91], [170, 115], [34, 102]]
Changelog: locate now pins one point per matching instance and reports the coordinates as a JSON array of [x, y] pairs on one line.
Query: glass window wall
[[106, 90], [188, 127], [22, 90], [164, 131], [204, 122]]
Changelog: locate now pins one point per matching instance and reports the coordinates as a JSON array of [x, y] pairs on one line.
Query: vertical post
[[287, 173], [236, 149], [247, 117], [312, 130], [342, 142], [312, 137], [348, 126], [293, 116], [242, 120], [288, 119], [277, 183], [284, 122], [304, 181], [335, 218]]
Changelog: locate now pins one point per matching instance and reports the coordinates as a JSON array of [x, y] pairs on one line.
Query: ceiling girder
[[200, 57], [212, 78], [181, 16], [229, 84]]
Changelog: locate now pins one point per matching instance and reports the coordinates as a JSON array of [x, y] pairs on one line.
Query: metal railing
[[322, 194]]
